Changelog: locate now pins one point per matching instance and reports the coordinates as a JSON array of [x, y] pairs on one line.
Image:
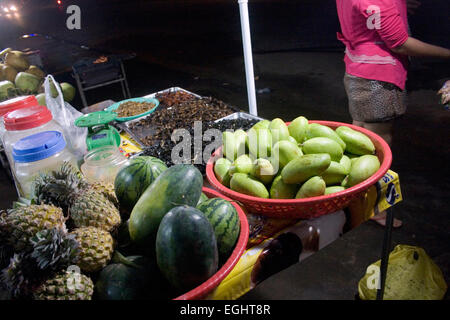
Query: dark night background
[[197, 45]]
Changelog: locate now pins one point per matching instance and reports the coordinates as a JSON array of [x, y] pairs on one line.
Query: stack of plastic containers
[[33, 141], [14, 104], [38, 153]]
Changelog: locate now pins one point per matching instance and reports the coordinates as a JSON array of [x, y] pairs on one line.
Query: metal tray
[[240, 115], [172, 89], [125, 126]]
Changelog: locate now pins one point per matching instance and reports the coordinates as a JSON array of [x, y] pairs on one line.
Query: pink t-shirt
[[370, 28]]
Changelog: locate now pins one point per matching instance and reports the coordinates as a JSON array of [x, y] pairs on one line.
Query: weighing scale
[[100, 133]]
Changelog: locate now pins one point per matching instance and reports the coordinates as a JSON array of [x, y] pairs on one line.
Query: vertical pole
[[385, 252], [248, 59]]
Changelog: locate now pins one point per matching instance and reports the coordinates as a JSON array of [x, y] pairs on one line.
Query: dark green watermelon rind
[[134, 179], [118, 281], [226, 224], [179, 185], [186, 248]]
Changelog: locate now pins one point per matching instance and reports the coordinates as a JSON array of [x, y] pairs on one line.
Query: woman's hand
[[445, 92], [412, 5]]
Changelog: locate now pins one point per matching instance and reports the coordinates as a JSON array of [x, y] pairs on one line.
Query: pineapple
[[107, 189], [96, 248], [65, 285], [85, 205], [91, 208], [22, 223]]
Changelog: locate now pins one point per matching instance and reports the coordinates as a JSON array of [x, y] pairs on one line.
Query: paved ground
[[207, 59]]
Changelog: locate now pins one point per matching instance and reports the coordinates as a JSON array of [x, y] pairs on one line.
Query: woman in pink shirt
[[375, 34]]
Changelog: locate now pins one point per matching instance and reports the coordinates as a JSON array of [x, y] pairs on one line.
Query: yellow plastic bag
[[411, 275]]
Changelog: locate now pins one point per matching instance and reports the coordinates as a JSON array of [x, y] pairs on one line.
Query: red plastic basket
[[310, 207], [205, 288]]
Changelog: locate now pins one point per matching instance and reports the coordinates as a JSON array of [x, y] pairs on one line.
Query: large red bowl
[[310, 207], [205, 288]]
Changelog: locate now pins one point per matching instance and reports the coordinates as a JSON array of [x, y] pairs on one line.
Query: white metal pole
[[248, 58]]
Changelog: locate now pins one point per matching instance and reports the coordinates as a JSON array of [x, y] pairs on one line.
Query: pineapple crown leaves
[[17, 278], [59, 186], [54, 249], [6, 251]]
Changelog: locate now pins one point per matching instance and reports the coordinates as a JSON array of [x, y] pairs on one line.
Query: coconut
[[53, 89], [17, 60], [27, 83], [2, 75], [4, 52], [36, 72], [41, 99], [5, 87], [9, 73], [68, 91]]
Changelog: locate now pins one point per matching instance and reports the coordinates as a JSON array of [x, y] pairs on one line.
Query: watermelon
[[225, 221], [186, 248], [203, 198], [132, 180], [127, 279], [181, 184]]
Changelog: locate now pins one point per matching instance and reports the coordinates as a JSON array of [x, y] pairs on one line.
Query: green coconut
[[2, 75], [41, 99], [9, 73], [68, 91], [53, 89], [17, 60], [4, 52], [36, 72], [5, 88], [27, 83]]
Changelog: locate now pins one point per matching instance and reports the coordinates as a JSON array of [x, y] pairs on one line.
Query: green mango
[[221, 169], [243, 183], [240, 140], [346, 163], [351, 155], [229, 145], [279, 130], [363, 168], [334, 174], [333, 189], [263, 171], [353, 160], [292, 139], [323, 145], [263, 124], [281, 190], [318, 130], [259, 142], [313, 187], [284, 151], [242, 164], [301, 169], [356, 142], [297, 129]]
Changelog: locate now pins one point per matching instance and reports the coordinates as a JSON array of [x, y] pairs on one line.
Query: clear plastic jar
[[14, 104], [25, 122], [102, 164], [39, 153]]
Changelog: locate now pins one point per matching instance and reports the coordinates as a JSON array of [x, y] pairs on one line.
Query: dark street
[[197, 45]]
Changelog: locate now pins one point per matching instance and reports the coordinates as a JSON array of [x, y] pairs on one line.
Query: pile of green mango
[[300, 160]]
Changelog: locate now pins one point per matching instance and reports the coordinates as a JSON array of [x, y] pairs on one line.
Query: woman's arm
[[417, 48]]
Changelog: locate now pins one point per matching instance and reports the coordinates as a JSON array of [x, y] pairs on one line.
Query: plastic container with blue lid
[[38, 153]]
